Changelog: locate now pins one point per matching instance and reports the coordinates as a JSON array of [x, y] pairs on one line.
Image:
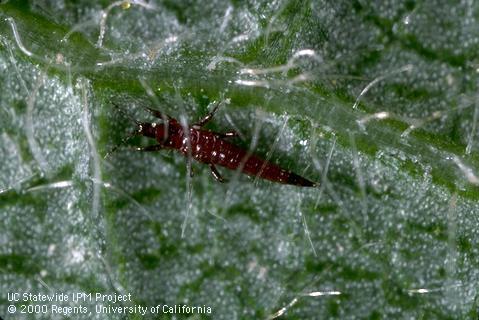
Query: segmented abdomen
[[207, 147]]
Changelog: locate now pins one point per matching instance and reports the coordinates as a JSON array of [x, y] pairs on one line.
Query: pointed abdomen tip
[[297, 180]]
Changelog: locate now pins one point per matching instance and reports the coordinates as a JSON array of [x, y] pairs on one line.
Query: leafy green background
[[393, 227]]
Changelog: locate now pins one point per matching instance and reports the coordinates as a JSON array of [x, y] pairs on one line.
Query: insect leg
[[208, 117], [216, 174], [155, 147]]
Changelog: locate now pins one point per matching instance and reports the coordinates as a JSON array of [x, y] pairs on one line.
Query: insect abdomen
[[232, 157]]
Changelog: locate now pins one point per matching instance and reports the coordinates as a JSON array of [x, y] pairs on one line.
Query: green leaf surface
[[376, 101]]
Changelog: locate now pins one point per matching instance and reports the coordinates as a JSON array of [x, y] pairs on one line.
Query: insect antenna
[[122, 143], [128, 137], [126, 115]]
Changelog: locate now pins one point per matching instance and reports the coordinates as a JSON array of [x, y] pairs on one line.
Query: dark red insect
[[212, 148]]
